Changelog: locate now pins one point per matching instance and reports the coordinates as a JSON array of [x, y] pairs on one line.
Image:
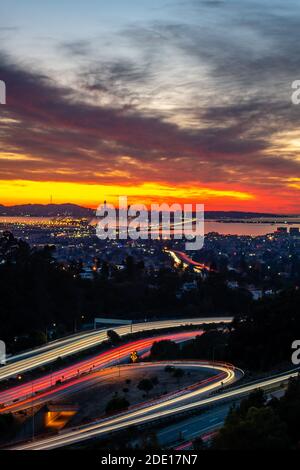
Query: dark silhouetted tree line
[[263, 339], [258, 424]]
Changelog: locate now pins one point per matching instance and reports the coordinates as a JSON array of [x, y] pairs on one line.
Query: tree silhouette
[[145, 385]]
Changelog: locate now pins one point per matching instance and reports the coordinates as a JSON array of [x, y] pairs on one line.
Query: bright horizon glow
[[162, 101], [92, 195]]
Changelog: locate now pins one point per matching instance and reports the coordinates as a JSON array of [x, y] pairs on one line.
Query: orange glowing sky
[[183, 103]]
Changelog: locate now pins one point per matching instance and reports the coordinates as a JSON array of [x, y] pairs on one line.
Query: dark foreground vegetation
[[261, 424], [42, 298], [258, 341]]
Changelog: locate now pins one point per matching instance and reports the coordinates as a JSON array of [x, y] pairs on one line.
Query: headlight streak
[[145, 414], [67, 347]]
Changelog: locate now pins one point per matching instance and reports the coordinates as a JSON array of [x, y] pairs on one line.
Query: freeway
[[72, 345], [193, 426], [150, 411], [64, 380], [101, 376], [205, 426], [181, 257]]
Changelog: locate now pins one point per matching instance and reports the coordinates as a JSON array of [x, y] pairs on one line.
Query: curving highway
[[72, 378], [66, 379], [181, 257], [74, 344], [158, 410], [199, 395], [150, 411]]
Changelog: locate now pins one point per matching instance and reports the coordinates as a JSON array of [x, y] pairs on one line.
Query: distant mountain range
[[48, 210], [73, 210]]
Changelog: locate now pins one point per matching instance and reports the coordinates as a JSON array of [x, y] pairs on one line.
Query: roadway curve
[[74, 344], [64, 380], [150, 411], [181, 257]]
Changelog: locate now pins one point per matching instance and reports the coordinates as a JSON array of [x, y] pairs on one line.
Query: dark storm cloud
[[73, 136]]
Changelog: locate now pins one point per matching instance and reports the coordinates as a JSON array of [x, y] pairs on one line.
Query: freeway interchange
[[79, 374], [207, 393], [147, 412], [72, 345]]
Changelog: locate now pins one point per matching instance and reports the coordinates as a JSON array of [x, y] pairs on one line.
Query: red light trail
[[72, 375]]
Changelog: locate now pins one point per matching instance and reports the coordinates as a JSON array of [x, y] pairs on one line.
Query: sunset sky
[[161, 100]]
